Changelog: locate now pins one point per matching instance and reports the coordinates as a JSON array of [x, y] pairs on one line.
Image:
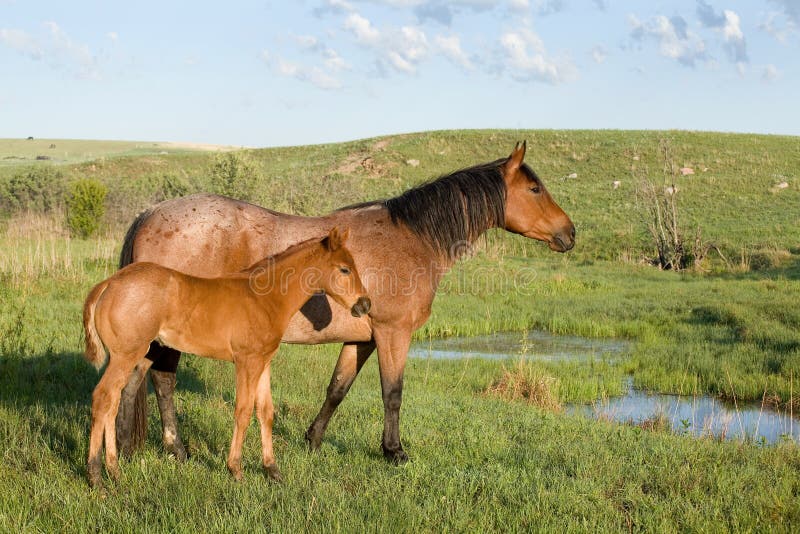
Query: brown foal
[[239, 318]]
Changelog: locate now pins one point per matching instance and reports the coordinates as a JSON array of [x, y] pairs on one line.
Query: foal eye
[[344, 270], [536, 189]]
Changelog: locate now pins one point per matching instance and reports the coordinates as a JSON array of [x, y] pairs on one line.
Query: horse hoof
[[273, 472], [314, 440], [396, 456], [178, 451]]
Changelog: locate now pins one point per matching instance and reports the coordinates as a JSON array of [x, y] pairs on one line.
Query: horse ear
[[334, 239], [517, 156]]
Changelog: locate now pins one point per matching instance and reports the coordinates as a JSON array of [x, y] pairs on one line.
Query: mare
[[402, 247], [239, 318]]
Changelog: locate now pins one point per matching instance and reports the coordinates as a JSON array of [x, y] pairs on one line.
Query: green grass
[[479, 462]]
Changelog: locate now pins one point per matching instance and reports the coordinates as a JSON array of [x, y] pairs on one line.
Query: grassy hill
[[480, 462]]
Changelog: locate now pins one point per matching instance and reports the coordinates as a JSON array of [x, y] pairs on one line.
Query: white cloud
[[770, 73], [333, 61], [22, 42], [674, 39], [336, 7], [113, 36], [313, 75], [770, 26], [549, 7], [599, 54], [402, 48], [56, 48], [735, 44], [525, 59], [362, 28], [519, 6], [450, 47]]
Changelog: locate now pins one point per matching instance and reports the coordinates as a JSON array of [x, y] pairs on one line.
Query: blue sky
[[267, 73]]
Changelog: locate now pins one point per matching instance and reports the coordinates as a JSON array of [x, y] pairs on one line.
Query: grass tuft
[[527, 383]]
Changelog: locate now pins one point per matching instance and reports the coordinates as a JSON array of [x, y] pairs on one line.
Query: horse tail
[[126, 255], [132, 420], [95, 351]]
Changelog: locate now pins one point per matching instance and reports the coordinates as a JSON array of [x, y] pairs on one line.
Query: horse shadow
[[52, 394]]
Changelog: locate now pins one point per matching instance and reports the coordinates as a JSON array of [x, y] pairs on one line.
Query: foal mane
[[308, 243], [453, 209]]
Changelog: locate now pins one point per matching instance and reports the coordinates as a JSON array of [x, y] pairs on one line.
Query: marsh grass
[[529, 384]]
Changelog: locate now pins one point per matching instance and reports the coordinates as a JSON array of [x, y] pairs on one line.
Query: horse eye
[[344, 270], [535, 189]]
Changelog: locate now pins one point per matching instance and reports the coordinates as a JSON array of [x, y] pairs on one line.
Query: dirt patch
[[362, 162]]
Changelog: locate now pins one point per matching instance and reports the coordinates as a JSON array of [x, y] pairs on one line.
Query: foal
[[239, 318]]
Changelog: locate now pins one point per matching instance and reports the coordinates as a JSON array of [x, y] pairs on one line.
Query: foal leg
[[248, 373], [105, 402], [265, 411], [351, 359], [393, 346]]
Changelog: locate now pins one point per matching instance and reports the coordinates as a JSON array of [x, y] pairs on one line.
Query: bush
[[85, 206], [234, 175], [39, 189], [132, 195]]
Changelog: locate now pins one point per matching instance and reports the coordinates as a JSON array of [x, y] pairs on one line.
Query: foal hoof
[[395, 456], [236, 472], [113, 472], [95, 479], [273, 472]]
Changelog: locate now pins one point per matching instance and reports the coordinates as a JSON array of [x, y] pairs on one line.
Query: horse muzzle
[[361, 307], [563, 241]]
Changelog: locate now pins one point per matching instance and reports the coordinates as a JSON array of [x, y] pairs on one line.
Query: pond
[[536, 345], [693, 415]]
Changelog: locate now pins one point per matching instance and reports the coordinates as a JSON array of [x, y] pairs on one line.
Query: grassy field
[[479, 461], [14, 152]]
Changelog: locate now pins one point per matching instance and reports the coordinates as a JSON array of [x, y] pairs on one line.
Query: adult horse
[[402, 247]]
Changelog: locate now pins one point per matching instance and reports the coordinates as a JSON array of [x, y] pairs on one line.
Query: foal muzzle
[[361, 307]]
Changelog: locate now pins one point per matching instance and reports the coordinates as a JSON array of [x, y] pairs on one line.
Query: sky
[[268, 73]]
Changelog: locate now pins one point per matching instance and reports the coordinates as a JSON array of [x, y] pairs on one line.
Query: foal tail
[[95, 351]]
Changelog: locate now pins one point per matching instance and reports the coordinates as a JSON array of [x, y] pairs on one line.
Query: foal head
[[530, 210], [340, 279]]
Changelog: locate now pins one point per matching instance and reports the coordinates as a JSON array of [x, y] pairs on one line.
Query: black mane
[[455, 209]]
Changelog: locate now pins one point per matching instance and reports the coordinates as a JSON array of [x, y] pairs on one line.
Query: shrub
[[39, 189], [85, 206], [130, 196], [234, 175]]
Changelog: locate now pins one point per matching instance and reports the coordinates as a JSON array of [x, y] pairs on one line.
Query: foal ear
[[336, 239], [517, 156]]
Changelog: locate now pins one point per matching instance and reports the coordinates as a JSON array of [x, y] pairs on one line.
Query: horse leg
[[163, 378], [248, 373], [132, 415], [164, 386], [127, 409], [351, 359], [392, 346], [265, 411]]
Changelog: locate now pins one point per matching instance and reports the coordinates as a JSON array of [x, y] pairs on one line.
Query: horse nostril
[[572, 233]]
